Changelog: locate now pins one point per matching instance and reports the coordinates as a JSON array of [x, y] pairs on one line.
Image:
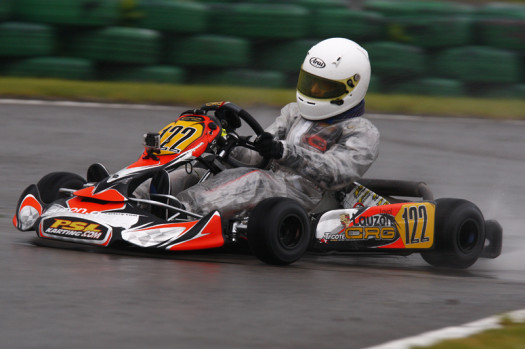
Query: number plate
[[178, 135]]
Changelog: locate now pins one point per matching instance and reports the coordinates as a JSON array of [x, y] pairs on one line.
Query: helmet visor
[[317, 87]]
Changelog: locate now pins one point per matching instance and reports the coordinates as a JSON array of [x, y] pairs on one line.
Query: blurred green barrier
[[284, 56], [216, 1], [357, 25], [513, 91], [51, 67], [180, 17], [5, 9], [430, 47], [503, 33], [208, 51], [390, 59], [151, 73], [417, 9], [429, 87], [26, 39], [501, 10], [308, 4], [78, 12], [432, 32], [243, 77], [477, 64], [502, 25], [116, 44], [261, 20], [376, 85], [318, 4]]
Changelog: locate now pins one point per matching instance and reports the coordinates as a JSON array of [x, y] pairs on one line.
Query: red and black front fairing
[[104, 214]]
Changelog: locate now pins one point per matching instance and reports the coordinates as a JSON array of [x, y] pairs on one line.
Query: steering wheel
[[231, 113]]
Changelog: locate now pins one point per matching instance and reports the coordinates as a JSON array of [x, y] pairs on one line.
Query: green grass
[[192, 95], [510, 336], [139, 92]]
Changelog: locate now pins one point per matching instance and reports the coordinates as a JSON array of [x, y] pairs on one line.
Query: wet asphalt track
[[67, 297]]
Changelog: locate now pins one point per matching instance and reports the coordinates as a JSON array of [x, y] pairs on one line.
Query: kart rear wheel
[[279, 231], [49, 185], [459, 234]]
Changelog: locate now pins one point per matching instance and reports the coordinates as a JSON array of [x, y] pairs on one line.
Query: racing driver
[[319, 143]]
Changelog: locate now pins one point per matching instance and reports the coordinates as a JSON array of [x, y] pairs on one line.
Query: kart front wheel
[[459, 234], [279, 231], [50, 184]]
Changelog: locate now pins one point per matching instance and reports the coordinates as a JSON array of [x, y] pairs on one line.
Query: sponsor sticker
[[317, 62], [75, 229], [409, 225]]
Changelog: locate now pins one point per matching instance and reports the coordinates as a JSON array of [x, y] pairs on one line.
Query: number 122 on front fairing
[[393, 226]]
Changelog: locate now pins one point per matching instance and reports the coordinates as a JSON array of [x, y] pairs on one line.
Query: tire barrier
[[394, 60], [5, 10], [283, 56], [358, 25], [502, 26], [208, 51], [76, 13], [151, 73], [261, 20], [440, 48], [429, 87], [244, 77], [26, 39], [417, 9], [116, 44], [176, 17], [428, 32], [477, 64]]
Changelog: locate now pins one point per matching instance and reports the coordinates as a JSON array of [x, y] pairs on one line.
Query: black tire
[[459, 235], [494, 238], [49, 185], [279, 231]]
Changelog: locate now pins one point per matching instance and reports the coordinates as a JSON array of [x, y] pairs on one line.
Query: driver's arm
[[342, 164], [279, 128]]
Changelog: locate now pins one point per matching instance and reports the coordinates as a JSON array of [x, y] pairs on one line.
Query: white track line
[[167, 107], [462, 331]]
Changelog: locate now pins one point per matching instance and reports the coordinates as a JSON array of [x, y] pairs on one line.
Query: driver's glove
[[229, 120], [268, 147]]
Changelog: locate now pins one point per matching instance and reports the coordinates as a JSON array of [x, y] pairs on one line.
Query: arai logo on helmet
[[317, 62]]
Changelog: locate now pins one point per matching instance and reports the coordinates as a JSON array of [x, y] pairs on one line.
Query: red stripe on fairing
[[144, 161], [106, 195], [396, 244], [30, 200], [209, 237], [187, 226], [77, 203]]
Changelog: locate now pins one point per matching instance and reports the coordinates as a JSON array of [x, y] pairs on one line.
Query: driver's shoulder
[[290, 110]]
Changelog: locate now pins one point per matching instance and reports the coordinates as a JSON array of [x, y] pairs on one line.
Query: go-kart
[[373, 216]]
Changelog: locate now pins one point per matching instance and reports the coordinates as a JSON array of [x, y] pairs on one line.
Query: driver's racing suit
[[318, 156]]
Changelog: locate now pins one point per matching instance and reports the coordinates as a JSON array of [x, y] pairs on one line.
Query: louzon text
[[384, 219], [377, 227]]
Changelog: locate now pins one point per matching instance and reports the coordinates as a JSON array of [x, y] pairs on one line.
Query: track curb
[[453, 332]]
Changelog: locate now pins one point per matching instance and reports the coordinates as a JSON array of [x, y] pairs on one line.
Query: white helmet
[[334, 77]]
